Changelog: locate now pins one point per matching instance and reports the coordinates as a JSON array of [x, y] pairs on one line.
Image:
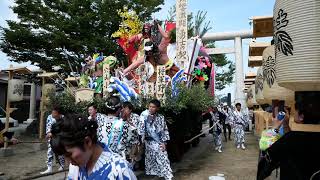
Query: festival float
[[153, 70]]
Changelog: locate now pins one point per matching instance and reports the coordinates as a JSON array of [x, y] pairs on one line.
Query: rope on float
[[203, 132]]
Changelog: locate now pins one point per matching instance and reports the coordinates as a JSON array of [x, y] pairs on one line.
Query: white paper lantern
[[271, 89], [251, 96], [84, 94], [15, 90], [48, 88], [297, 41], [259, 88]]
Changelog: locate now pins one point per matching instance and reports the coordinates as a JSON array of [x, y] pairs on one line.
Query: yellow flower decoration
[[130, 25]]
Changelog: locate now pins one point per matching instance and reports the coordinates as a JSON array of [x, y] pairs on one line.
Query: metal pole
[[8, 108], [239, 79]]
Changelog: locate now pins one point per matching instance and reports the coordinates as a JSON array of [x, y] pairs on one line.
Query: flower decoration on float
[[203, 64]]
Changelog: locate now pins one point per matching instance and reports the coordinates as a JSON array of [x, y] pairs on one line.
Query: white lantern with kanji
[[15, 90]]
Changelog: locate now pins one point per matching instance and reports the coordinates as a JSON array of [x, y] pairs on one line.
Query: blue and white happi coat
[[109, 166], [121, 137], [240, 120], [155, 133], [50, 154], [217, 129], [102, 121]]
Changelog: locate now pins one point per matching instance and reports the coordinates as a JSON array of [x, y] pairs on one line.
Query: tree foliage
[[51, 32]]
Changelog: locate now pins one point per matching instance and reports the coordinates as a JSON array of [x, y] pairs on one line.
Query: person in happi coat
[[217, 129], [227, 122], [120, 135], [75, 137], [155, 136], [56, 115], [134, 121], [93, 116], [240, 121]]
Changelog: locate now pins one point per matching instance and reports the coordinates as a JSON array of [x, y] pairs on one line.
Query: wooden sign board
[[161, 82], [182, 33]]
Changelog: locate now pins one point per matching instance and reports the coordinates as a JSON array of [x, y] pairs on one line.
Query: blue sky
[[225, 15]]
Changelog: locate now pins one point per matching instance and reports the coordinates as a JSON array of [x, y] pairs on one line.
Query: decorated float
[[152, 69]]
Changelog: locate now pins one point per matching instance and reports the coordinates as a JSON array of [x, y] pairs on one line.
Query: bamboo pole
[[41, 123], [8, 111]]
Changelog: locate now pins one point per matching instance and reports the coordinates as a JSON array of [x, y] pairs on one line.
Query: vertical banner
[[106, 79], [212, 80], [182, 34], [161, 82], [149, 89]]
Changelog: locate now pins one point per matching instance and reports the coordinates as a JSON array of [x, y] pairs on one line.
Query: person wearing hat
[[227, 122], [239, 122]]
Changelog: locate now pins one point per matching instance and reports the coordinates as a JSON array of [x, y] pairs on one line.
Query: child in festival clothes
[[76, 138], [155, 136], [55, 116]]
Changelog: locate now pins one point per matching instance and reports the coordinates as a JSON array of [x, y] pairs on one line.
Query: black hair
[[92, 105], [155, 102], [238, 104], [71, 131], [127, 104], [58, 109], [172, 35], [113, 104]]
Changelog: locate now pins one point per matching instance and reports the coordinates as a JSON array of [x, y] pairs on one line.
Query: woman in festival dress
[[55, 116], [76, 138], [155, 136]]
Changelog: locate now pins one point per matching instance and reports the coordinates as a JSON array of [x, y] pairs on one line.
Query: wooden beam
[[257, 48], [220, 50], [255, 61], [19, 70], [262, 26], [250, 75]]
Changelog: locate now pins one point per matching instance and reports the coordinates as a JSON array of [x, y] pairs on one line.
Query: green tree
[[198, 26], [51, 32]]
